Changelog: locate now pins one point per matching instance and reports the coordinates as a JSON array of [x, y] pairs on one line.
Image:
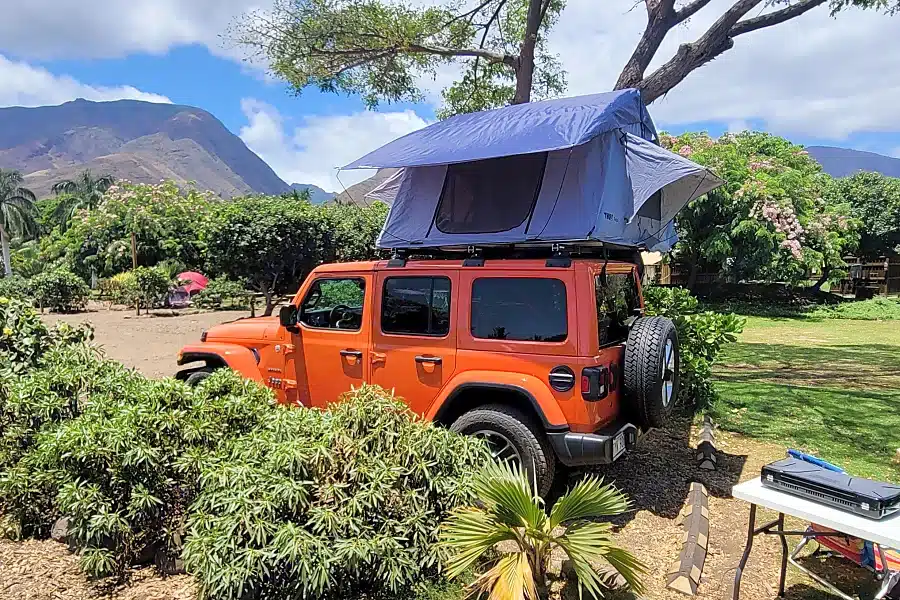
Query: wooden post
[[133, 251]]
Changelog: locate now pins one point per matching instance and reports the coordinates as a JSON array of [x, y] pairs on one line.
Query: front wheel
[[511, 437], [196, 377]]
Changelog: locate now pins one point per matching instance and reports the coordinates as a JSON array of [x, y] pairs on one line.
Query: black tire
[[196, 377], [538, 459], [646, 371]]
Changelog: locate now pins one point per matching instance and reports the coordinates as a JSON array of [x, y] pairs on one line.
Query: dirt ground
[[148, 343], [656, 476]]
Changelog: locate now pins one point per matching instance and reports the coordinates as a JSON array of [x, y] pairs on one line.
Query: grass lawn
[[829, 387]]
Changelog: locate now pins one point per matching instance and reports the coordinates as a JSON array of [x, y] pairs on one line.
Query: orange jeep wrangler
[[549, 360]]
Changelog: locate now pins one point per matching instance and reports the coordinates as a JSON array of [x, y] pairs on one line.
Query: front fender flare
[[542, 400], [237, 358]]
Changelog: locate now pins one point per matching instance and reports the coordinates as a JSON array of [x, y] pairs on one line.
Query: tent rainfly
[[586, 169]]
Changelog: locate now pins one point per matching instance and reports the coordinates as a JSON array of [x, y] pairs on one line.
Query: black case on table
[[873, 499]]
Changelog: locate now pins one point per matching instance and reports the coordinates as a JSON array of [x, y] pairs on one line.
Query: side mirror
[[287, 316]]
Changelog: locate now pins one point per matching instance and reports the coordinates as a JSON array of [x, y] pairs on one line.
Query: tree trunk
[[270, 306], [692, 275], [525, 63], [826, 273], [4, 242]]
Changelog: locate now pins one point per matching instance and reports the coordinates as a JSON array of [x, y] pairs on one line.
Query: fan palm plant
[[84, 192], [17, 213], [511, 515]]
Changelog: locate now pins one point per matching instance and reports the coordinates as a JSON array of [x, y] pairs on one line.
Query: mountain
[[316, 194], [840, 162], [134, 140]]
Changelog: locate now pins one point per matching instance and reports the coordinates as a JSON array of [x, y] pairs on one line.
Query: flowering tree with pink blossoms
[[771, 220]]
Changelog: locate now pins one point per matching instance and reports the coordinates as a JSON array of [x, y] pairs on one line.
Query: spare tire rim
[[500, 446], [668, 375]]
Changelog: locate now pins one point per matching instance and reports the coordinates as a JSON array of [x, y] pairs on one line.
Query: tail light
[[595, 383]]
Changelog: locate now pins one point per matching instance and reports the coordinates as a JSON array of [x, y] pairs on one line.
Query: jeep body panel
[[313, 366]]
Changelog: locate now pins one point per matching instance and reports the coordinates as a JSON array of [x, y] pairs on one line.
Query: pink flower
[[685, 151]]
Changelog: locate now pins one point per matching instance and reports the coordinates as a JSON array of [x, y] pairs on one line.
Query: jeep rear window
[[490, 196], [416, 306], [521, 309], [617, 303]]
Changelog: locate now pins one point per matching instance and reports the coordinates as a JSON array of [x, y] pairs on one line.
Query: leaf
[[589, 498]]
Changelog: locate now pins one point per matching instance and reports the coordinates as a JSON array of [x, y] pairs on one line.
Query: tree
[[270, 242], [17, 213], [772, 220], [83, 193], [511, 527], [379, 48], [875, 199]]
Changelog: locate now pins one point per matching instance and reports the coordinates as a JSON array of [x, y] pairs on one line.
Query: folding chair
[[884, 562]]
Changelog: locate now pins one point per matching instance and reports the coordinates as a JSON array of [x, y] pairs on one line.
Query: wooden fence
[[880, 278]]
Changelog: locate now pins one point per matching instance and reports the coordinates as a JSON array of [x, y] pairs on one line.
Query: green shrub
[[329, 504], [14, 286], [60, 290], [24, 338], [221, 290], [120, 288], [876, 309], [152, 285], [701, 335], [122, 457]]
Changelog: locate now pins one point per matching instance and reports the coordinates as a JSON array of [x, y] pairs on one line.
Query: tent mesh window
[[490, 196]]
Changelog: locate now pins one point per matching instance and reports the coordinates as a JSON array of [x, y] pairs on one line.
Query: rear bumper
[[584, 449]]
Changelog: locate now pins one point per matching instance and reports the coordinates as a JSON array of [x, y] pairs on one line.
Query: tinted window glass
[[334, 304], [524, 309], [416, 305], [489, 196], [617, 301]]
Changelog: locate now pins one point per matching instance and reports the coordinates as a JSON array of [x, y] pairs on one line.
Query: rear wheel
[[511, 437], [651, 370], [196, 377]]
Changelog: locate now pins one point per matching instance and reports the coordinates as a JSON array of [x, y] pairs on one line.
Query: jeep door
[[414, 333], [330, 354]]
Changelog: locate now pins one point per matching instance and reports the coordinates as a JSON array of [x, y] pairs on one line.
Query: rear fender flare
[[237, 358], [536, 391]]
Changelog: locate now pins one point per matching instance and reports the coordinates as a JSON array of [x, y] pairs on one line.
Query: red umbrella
[[195, 281]]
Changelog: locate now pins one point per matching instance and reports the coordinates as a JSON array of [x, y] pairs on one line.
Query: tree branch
[[774, 18], [470, 13], [489, 55], [688, 11], [716, 40], [660, 19]]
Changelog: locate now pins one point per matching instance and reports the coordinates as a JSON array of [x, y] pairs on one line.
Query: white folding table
[[885, 532]]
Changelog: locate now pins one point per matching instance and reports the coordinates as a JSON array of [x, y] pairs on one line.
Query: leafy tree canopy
[[383, 49], [875, 199], [772, 220]]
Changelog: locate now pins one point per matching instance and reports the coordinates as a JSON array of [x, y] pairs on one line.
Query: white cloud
[[813, 75], [311, 151], [46, 29], [26, 85]]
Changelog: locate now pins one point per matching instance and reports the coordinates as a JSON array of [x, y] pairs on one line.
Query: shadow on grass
[[840, 572]]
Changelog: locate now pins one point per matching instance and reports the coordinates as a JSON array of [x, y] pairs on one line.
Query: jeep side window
[[334, 304], [617, 301], [523, 309], [416, 306]]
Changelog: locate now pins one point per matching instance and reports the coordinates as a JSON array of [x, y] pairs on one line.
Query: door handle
[[378, 357], [353, 353], [434, 360]]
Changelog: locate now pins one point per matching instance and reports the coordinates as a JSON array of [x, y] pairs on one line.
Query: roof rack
[[579, 249]]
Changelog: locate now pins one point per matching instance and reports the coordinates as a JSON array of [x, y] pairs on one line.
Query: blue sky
[[814, 80]]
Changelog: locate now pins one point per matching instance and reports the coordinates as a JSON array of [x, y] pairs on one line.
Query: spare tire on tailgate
[[651, 370]]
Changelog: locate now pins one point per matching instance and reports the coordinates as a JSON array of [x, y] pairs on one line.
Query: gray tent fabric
[[617, 187]]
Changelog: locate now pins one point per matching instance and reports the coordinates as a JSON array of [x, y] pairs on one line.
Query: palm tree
[[17, 213], [84, 192], [510, 513]]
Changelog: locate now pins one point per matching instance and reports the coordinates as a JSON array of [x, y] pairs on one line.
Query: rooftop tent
[[574, 169]]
